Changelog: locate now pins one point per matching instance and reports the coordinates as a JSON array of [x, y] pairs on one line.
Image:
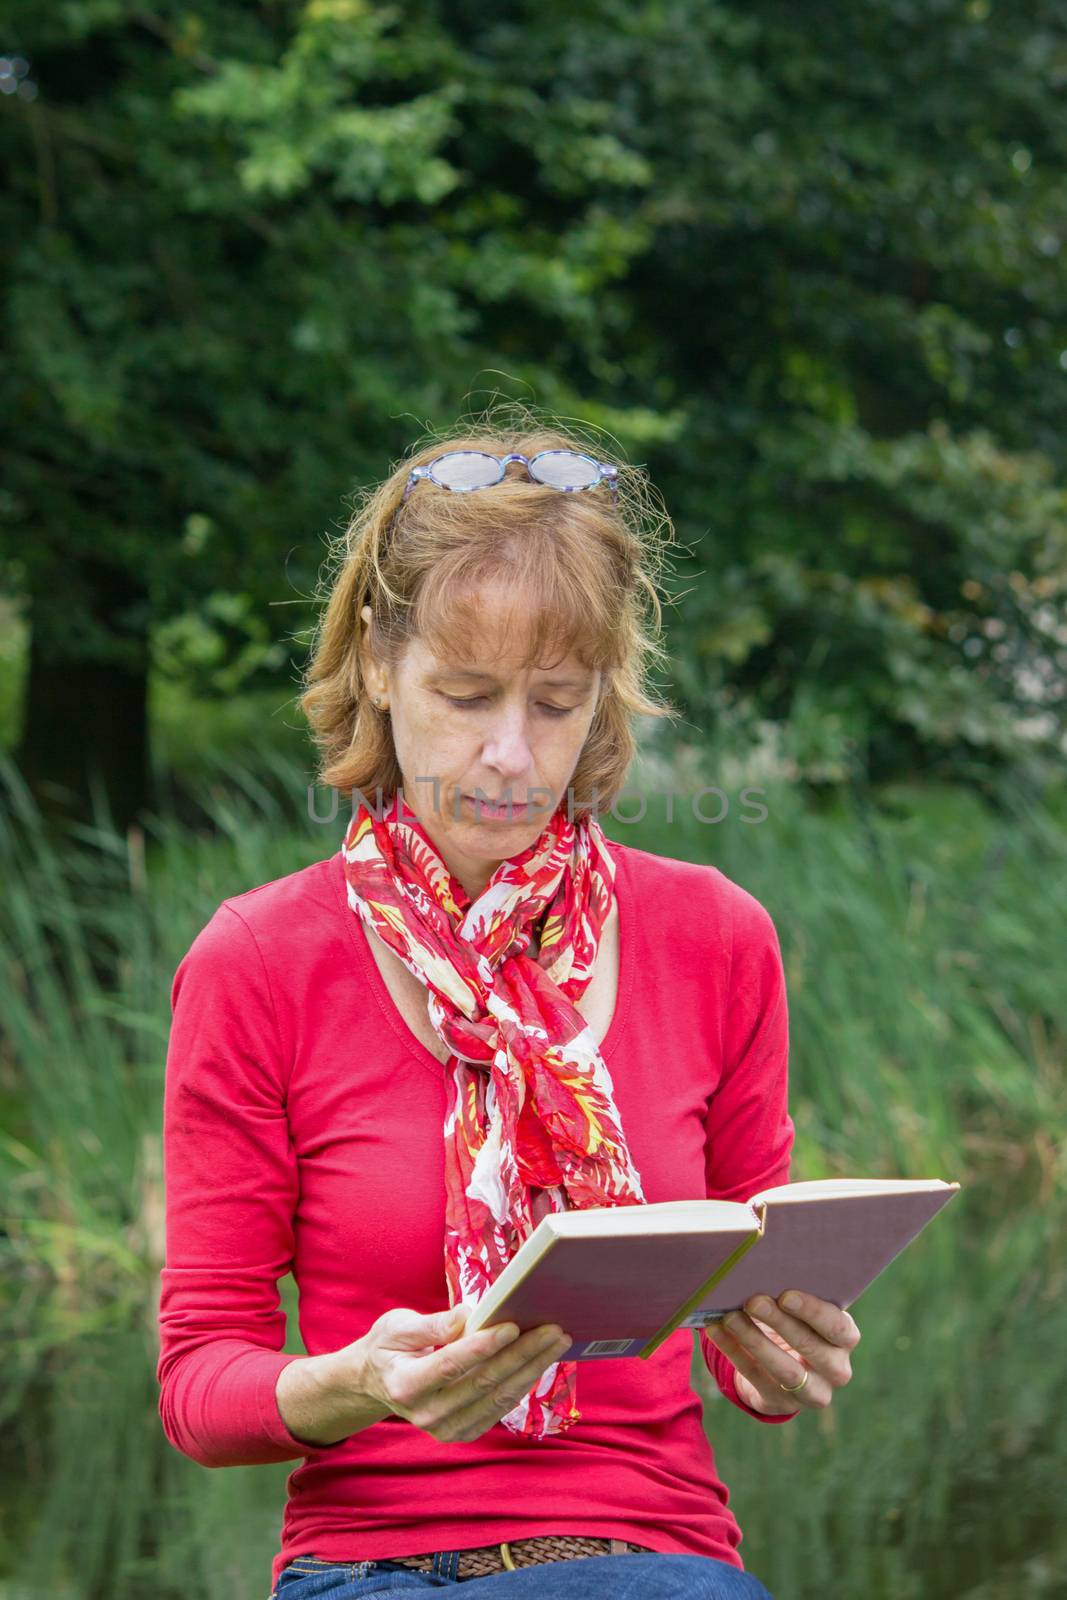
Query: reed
[[923, 947]]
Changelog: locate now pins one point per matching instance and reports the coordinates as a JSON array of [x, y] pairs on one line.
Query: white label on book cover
[[608, 1347]]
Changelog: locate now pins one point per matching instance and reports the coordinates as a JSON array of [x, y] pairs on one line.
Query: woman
[[384, 1069]]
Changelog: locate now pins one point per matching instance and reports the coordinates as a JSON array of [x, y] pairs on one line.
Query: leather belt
[[511, 1554]]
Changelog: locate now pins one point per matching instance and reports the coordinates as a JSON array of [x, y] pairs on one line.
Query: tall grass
[[923, 946]]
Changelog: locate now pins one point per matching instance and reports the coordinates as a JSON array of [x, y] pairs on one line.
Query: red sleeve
[[231, 1186], [749, 1129]]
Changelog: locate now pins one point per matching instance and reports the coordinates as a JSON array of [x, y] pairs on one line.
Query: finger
[[815, 1393], [833, 1324], [497, 1392], [536, 1348], [777, 1367], [829, 1359], [449, 1363], [821, 1356], [495, 1388]]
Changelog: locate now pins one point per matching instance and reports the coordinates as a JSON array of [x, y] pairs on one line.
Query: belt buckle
[[505, 1556]]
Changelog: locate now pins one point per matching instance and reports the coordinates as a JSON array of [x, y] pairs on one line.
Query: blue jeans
[[639, 1576]]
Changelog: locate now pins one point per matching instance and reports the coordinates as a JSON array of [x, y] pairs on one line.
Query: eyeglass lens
[[564, 469], [467, 469]]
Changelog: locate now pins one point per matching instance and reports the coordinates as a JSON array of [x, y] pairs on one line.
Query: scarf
[[529, 1101]]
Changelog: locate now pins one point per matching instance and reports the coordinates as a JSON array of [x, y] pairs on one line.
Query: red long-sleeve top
[[303, 1132]]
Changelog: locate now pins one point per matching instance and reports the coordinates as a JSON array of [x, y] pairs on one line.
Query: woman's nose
[[507, 744]]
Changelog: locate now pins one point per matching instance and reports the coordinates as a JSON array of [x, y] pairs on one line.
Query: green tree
[[245, 264], [853, 294], [804, 263]]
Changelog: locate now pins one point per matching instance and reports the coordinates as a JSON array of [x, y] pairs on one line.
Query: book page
[[662, 1216], [825, 1188]]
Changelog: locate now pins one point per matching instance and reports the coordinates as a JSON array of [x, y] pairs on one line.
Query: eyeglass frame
[[606, 472]]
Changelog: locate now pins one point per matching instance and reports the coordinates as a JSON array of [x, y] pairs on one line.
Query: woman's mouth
[[504, 812]]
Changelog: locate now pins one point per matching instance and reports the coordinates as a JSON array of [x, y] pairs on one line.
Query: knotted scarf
[[529, 1101]]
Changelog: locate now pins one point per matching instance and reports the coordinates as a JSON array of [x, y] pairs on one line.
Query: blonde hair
[[583, 574]]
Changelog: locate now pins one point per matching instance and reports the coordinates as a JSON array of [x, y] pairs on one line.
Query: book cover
[[621, 1280]]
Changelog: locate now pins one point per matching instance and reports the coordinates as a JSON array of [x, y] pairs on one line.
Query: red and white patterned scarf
[[529, 1100]]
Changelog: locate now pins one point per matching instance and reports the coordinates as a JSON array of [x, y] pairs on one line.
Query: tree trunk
[[84, 745]]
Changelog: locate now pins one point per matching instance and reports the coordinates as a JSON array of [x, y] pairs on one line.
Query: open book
[[621, 1279]]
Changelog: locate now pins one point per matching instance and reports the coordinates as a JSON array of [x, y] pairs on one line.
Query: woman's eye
[[478, 700]]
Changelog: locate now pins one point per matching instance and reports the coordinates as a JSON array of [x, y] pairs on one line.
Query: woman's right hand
[[451, 1385]]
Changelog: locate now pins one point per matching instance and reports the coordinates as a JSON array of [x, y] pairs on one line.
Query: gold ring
[[505, 1556], [794, 1388]]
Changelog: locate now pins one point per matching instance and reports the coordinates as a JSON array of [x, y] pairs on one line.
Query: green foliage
[[218, 646], [810, 274]]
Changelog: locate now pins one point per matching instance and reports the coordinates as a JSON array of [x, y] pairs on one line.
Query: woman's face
[[485, 725]]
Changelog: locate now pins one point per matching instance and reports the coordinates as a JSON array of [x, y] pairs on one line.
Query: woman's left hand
[[772, 1343]]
